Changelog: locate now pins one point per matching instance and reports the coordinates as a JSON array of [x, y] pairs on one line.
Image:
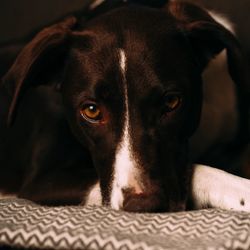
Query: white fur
[[95, 4], [125, 172], [123, 61], [219, 189], [95, 196], [221, 19]]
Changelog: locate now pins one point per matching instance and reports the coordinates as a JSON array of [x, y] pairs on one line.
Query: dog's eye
[[91, 112], [172, 102]]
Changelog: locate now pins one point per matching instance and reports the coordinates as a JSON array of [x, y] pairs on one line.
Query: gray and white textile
[[25, 225]]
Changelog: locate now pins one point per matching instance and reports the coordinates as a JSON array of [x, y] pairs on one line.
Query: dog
[[135, 108]]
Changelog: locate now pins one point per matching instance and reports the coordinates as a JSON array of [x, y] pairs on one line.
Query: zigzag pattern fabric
[[24, 224]]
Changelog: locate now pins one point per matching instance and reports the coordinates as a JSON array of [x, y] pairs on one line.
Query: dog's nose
[[141, 202]]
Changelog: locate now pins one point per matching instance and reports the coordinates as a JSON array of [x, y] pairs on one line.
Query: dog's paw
[[94, 197], [212, 187]]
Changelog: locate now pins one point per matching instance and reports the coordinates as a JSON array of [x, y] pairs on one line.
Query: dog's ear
[[208, 38], [38, 59]]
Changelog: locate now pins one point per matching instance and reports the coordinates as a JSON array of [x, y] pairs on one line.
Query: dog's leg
[[56, 189], [212, 187], [94, 197]]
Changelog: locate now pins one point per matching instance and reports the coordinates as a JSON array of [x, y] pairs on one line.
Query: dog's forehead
[[133, 18], [148, 41], [138, 29]]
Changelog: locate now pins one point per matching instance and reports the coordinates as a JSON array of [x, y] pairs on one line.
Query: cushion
[[27, 225]]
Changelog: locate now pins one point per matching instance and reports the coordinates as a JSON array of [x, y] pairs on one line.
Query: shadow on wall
[[19, 18]]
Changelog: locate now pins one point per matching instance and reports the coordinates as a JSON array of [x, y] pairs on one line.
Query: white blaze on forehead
[[125, 172], [123, 61]]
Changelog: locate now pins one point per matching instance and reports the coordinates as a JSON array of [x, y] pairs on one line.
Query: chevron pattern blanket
[[26, 225]]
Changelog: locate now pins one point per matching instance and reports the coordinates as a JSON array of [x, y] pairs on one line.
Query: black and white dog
[[119, 109]]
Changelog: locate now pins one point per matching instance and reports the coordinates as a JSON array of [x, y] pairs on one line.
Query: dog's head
[[132, 90]]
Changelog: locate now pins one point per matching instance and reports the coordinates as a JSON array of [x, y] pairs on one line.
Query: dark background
[[19, 17]]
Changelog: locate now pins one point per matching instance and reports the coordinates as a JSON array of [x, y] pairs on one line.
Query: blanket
[[26, 225]]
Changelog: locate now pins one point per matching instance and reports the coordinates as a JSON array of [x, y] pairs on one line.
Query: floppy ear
[[208, 38], [39, 57]]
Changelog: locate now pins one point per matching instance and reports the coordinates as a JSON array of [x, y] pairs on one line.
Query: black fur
[[51, 155]]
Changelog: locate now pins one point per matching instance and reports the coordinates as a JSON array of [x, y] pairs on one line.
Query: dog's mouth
[[150, 200], [143, 203], [143, 184]]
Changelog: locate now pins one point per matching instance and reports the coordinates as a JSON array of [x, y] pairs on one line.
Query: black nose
[[142, 202]]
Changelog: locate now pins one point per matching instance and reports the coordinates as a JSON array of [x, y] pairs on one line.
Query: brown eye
[[91, 113], [172, 102]]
